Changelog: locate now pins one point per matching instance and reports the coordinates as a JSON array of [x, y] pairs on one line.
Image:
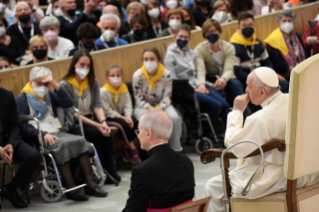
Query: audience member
[[9, 45], [138, 31], [188, 18], [239, 7], [273, 6], [101, 4], [87, 34], [70, 23], [14, 149], [132, 9], [38, 101], [24, 29], [5, 10], [117, 105], [174, 18], [250, 51], [58, 47], [5, 64], [38, 12], [39, 47], [53, 6], [203, 10], [311, 41], [169, 4], [83, 87], [285, 46], [221, 10], [120, 8], [156, 25], [151, 185], [152, 85], [110, 27]]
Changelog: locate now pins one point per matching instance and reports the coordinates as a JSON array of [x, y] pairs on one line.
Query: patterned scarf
[[291, 57], [40, 108], [160, 71]]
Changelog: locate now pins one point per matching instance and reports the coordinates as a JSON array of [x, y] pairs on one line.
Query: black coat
[[165, 179], [9, 126]]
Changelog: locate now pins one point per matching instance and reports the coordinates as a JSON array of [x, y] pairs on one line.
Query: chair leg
[[3, 178]]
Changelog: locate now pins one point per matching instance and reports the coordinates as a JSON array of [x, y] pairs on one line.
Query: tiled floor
[[116, 195]]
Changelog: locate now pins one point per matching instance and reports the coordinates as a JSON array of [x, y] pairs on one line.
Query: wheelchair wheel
[[203, 144], [57, 193], [97, 177]]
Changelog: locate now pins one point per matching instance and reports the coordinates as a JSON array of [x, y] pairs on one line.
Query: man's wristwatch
[[33, 11]]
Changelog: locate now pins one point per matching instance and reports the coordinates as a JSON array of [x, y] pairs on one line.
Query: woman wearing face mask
[[221, 11], [169, 4], [138, 30], [285, 46], [83, 87], [152, 86], [117, 105], [132, 9], [156, 25], [39, 48], [5, 64], [9, 45], [203, 10], [58, 47], [188, 18], [174, 18]]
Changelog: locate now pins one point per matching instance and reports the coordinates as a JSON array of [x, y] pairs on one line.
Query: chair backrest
[[196, 206], [302, 131]]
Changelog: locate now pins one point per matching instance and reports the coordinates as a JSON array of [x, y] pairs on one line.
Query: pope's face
[[255, 94]]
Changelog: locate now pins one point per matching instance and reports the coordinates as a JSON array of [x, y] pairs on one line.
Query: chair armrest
[[208, 155], [25, 118]]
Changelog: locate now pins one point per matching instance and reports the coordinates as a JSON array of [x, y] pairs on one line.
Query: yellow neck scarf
[[160, 71], [84, 84], [237, 38], [28, 89], [120, 90], [276, 40]]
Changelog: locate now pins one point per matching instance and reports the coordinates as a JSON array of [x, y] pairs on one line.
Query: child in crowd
[[117, 105]]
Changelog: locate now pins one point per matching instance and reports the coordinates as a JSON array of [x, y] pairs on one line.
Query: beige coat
[[206, 63]]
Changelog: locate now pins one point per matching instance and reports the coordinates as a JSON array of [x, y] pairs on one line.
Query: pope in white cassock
[[266, 124]]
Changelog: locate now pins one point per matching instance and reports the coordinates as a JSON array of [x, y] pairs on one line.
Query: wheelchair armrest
[[25, 118], [208, 155]]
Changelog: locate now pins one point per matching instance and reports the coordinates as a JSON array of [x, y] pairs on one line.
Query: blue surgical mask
[[212, 38], [181, 43], [89, 46]]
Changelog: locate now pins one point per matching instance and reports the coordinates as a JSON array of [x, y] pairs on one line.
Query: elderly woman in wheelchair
[[38, 101]]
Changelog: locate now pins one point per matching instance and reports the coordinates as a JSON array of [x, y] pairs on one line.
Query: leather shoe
[[95, 192], [13, 197], [77, 195]]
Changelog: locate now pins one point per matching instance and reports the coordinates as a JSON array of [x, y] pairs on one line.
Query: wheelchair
[[190, 111], [52, 187]]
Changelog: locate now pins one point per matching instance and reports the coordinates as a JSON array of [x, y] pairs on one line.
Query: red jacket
[[307, 34]]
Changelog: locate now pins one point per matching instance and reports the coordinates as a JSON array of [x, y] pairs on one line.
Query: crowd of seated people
[[66, 31]]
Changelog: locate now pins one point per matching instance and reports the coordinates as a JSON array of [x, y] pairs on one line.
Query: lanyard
[[105, 43], [25, 37], [159, 29], [170, 31], [250, 55], [67, 18]]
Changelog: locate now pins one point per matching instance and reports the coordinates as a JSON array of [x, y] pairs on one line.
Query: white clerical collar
[[157, 145], [270, 99]]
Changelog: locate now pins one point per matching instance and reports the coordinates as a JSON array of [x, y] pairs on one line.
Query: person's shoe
[[135, 158], [95, 192], [125, 153], [13, 197], [77, 195]]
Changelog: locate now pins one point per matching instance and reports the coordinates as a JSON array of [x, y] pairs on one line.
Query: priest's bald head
[[262, 83]]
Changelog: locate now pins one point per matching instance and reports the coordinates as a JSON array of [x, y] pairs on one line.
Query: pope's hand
[[241, 102]]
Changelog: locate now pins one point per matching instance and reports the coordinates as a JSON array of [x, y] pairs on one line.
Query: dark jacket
[[9, 126], [200, 17], [130, 38], [58, 99], [150, 29], [125, 28], [166, 179]]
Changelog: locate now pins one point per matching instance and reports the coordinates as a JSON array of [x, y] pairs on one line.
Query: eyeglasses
[[182, 37], [214, 31]]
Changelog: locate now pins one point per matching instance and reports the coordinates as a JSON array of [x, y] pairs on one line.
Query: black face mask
[[40, 53], [203, 3], [248, 32], [139, 33], [24, 18], [88, 46], [71, 12], [187, 22]]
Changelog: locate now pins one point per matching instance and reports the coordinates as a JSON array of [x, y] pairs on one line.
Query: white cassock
[[262, 126]]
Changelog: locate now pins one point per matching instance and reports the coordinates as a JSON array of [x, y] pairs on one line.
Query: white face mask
[[220, 16], [115, 81], [3, 7], [171, 4], [154, 13], [150, 65], [109, 35], [174, 24], [287, 27], [2, 31], [82, 72], [143, 1], [41, 91]]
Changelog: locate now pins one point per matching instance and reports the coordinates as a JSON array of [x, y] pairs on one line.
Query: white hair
[[39, 72], [48, 21], [158, 122], [110, 16], [259, 84], [61, 3], [21, 2]]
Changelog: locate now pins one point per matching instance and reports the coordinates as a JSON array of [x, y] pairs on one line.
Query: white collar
[[270, 99]]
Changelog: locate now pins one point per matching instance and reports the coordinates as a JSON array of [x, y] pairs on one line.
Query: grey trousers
[[174, 140]]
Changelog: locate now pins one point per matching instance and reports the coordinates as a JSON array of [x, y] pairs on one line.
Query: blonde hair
[[35, 40], [174, 11], [208, 24], [113, 67], [135, 5], [220, 3]]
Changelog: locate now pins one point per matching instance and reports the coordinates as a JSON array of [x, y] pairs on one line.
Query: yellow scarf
[[120, 90], [84, 84], [160, 71], [237, 38], [276, 40], [28, 89]]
